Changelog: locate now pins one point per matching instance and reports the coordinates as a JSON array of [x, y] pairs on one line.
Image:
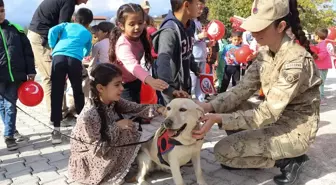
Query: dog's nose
[[168, 123]]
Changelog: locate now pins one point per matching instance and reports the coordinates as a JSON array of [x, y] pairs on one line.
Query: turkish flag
[[207, 84]]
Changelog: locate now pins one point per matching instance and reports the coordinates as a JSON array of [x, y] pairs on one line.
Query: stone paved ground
[[37, 161]]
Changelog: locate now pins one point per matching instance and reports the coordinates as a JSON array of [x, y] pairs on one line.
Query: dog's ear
[[200, 111]]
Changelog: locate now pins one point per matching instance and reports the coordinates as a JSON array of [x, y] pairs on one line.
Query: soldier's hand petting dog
[[209, 120]]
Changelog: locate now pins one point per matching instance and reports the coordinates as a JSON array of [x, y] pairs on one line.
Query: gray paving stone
[[41, 166], [61, 164], [34, 158], [58, 182], [27, 148], [53, 157], [25, 179], [48, 176], [14, 167], [23, 172]]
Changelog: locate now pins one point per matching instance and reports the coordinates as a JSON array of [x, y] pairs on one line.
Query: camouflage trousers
[[261, 148]]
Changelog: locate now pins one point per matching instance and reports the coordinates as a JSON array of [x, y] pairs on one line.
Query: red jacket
[[150, 31]]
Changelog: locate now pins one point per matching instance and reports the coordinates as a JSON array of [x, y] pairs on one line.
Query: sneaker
[[56, 137], [11, 143], [18, 136]]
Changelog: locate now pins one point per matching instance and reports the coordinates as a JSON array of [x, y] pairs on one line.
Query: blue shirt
[[228, 54], [70, 39]]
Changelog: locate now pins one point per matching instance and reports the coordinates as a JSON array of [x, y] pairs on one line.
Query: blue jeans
[[7, 109]]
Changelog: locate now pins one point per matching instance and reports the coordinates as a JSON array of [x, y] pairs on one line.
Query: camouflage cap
[[264, 12], [145, 4]]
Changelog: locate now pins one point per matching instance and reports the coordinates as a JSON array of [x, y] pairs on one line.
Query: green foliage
[[313, 13]]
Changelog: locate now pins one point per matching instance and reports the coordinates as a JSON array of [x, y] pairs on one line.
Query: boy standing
[[67, 41], [232, 67], [174, 44], [16, 66], [48, 14]]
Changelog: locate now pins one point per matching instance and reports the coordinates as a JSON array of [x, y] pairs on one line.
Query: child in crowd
[[174, 44], [102, 125], [16, 66], [323, 61], [232, 67], [199, 50], [68, 41], [100, 51], [94, 29], [128, 44]]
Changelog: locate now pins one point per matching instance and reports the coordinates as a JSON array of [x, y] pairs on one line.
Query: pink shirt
[[129, 54], [324, 59]]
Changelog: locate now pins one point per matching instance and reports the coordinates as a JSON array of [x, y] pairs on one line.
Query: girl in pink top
[[323, 61], [128, 44]]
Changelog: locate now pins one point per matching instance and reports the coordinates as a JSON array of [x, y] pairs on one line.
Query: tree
[[316, 14], [313, 13]]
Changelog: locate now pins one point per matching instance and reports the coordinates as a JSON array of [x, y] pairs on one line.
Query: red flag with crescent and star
[[207, 84]]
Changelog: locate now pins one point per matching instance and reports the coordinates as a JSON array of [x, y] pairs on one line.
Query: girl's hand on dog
[[209, 120], [125, 124]]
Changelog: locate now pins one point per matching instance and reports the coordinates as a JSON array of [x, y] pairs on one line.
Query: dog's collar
[[165, 144]]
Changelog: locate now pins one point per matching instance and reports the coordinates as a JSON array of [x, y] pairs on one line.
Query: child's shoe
[[11, 143]]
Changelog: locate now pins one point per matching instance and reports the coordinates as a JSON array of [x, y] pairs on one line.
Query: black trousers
[[62, 66], [131, 91], [230, 72]]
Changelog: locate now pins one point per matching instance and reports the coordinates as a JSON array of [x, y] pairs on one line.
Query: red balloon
[[147, 95], [314, 49], [236, 23], [30, 93], [215, 30], [243, 53], [332, 33]]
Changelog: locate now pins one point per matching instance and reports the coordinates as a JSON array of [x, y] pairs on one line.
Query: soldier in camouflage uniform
[[280, 129]]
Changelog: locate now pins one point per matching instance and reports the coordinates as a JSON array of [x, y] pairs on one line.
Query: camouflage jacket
[[290, 81]]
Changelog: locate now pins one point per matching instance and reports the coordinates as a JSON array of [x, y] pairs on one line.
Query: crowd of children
[[174, 56]]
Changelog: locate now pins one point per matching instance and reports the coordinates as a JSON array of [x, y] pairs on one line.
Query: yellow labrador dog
[[173, 145]]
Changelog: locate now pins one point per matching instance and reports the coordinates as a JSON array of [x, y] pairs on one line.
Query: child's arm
[[140, 110], [54, 34], [28, 56], [88, 46], [168, 40], [130, 62], [194, 66], [66, 12]]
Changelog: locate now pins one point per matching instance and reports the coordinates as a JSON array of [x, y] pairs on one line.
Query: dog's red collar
[[165, 144]]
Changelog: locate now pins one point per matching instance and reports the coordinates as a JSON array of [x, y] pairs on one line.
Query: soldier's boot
[[290, 169]]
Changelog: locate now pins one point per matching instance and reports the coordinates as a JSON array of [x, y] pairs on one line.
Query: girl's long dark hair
[[116, 33], [293, 21], [102, 74]]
